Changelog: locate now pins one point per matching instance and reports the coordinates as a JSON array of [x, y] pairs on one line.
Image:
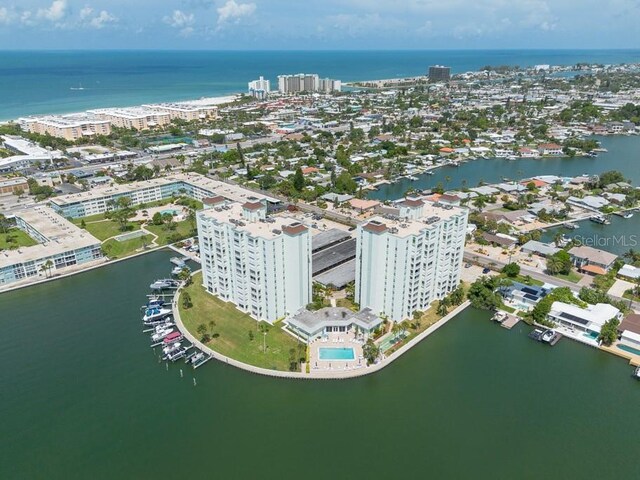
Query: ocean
[[42, 82]]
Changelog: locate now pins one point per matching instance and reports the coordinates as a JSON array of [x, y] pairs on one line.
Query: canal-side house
[[588, 320], [592, 260], [629, 330], [522, 296]]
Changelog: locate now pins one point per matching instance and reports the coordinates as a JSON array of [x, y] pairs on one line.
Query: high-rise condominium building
[[260, 263], [438, 73], [260, 88], [303, 82], [406, 261]]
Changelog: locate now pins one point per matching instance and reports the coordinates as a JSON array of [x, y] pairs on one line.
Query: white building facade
[[261, 264], [260, 88], [405, 263]]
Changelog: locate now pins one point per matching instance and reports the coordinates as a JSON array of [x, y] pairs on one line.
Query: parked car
[[486, 270]]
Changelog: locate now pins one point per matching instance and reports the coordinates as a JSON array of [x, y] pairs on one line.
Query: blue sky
[[322, 24]]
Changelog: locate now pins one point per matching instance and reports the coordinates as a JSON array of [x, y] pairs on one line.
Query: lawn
[[572, 276], [15, 238], [115, 249], [233, 328], [181, 231], [524, 279], [104, 229]]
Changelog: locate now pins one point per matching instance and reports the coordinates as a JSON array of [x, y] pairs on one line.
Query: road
[[497, 265]]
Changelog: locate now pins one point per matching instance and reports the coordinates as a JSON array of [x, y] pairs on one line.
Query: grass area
[[15, 238], [572, 276], [108, 228], [524, 279], [115, 249], [181, 231], [630, 296], [87, 219], [347, 303], [233, 328]]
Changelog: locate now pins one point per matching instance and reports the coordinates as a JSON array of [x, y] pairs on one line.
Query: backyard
[[235, 334]]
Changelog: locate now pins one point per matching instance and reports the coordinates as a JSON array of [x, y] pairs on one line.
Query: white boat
[[412, 178], [177, 270], [176, 354], [152, 315], [637, 373], [160, 335], [171, 348], [572, 226], [627, 215], [179, 262], [512, 157], [164, 284], [601, 219]]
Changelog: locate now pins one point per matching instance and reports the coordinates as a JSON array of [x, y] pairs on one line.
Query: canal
[[623, 154], [83, 396]]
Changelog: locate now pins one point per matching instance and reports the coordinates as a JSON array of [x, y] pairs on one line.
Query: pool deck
[[633, 358], [336, 340]]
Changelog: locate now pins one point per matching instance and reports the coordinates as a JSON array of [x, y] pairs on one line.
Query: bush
[[511, 270]]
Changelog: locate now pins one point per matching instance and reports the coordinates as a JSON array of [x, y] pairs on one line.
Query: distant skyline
[[326, 25]]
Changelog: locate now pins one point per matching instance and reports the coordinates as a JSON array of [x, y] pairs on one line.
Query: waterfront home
[[629, 330], [550, 149], [589, 202], [524, 296], [629, 271], [588, 320], [313, 324], [500, 239], [535, 247], [592, 260], [515, 217]]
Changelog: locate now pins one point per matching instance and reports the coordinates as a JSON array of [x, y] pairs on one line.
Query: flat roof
[[233, 214], [62, 235], [339, 276], [311, 322], [324, 239], [214, 187], [333, 256]]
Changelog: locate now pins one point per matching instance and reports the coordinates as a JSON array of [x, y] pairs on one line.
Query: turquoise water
[[39, 82], [169, 212], [629, 349], [330, 353]]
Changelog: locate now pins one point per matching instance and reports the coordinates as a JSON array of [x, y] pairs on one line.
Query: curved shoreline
[[313, 375]]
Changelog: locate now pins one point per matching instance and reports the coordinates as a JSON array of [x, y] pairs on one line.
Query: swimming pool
[[329, 353], [170, 212], [629, 349]]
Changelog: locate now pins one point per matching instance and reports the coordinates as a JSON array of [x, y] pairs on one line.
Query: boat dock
[[548, 336], [506, 320]]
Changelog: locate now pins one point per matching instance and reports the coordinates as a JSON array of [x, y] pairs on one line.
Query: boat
[[536, 334], [572, 226], [155, 315], [562, 241], [167, 349], [550, 337], [601, 219], [155, 303], [172, 337], [627, 215], [636, 374], [161, 334], [412, 178], [429, 173], [512, 157], [164, 284], [179, 262], [178, 270], [200, 359], [176, 354], [79, 87]]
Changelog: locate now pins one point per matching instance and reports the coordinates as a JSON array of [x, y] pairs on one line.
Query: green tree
[[559, 263], [298, 180], [609, 331], [511, 270], [370, 351], [186, 300]]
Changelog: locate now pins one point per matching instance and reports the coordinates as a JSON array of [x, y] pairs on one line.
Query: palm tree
[[48, 265], [443, 307]]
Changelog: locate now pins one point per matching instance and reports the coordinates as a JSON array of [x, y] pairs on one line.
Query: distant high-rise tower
[[438, 73], [260, 88]]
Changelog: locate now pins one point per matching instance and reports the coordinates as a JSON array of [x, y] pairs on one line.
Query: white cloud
[[56, 11], [102, 19], [234, 12], [181, 20], [5, 16], [86, 12]]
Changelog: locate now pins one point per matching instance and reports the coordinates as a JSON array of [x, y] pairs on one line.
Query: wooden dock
[[510, 322]]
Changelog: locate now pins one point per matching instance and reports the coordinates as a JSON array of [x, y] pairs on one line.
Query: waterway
[[622, 155], [83, 396], [618, 237]]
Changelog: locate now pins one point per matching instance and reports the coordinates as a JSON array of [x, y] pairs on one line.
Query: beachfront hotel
[[409, 257], [59, 241], [260, 263], [259, 88], [98, 199]]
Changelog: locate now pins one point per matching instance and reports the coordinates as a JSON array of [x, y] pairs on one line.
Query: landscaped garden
[[230, 332]]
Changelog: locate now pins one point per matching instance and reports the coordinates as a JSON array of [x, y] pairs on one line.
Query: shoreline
[[313, 375]]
